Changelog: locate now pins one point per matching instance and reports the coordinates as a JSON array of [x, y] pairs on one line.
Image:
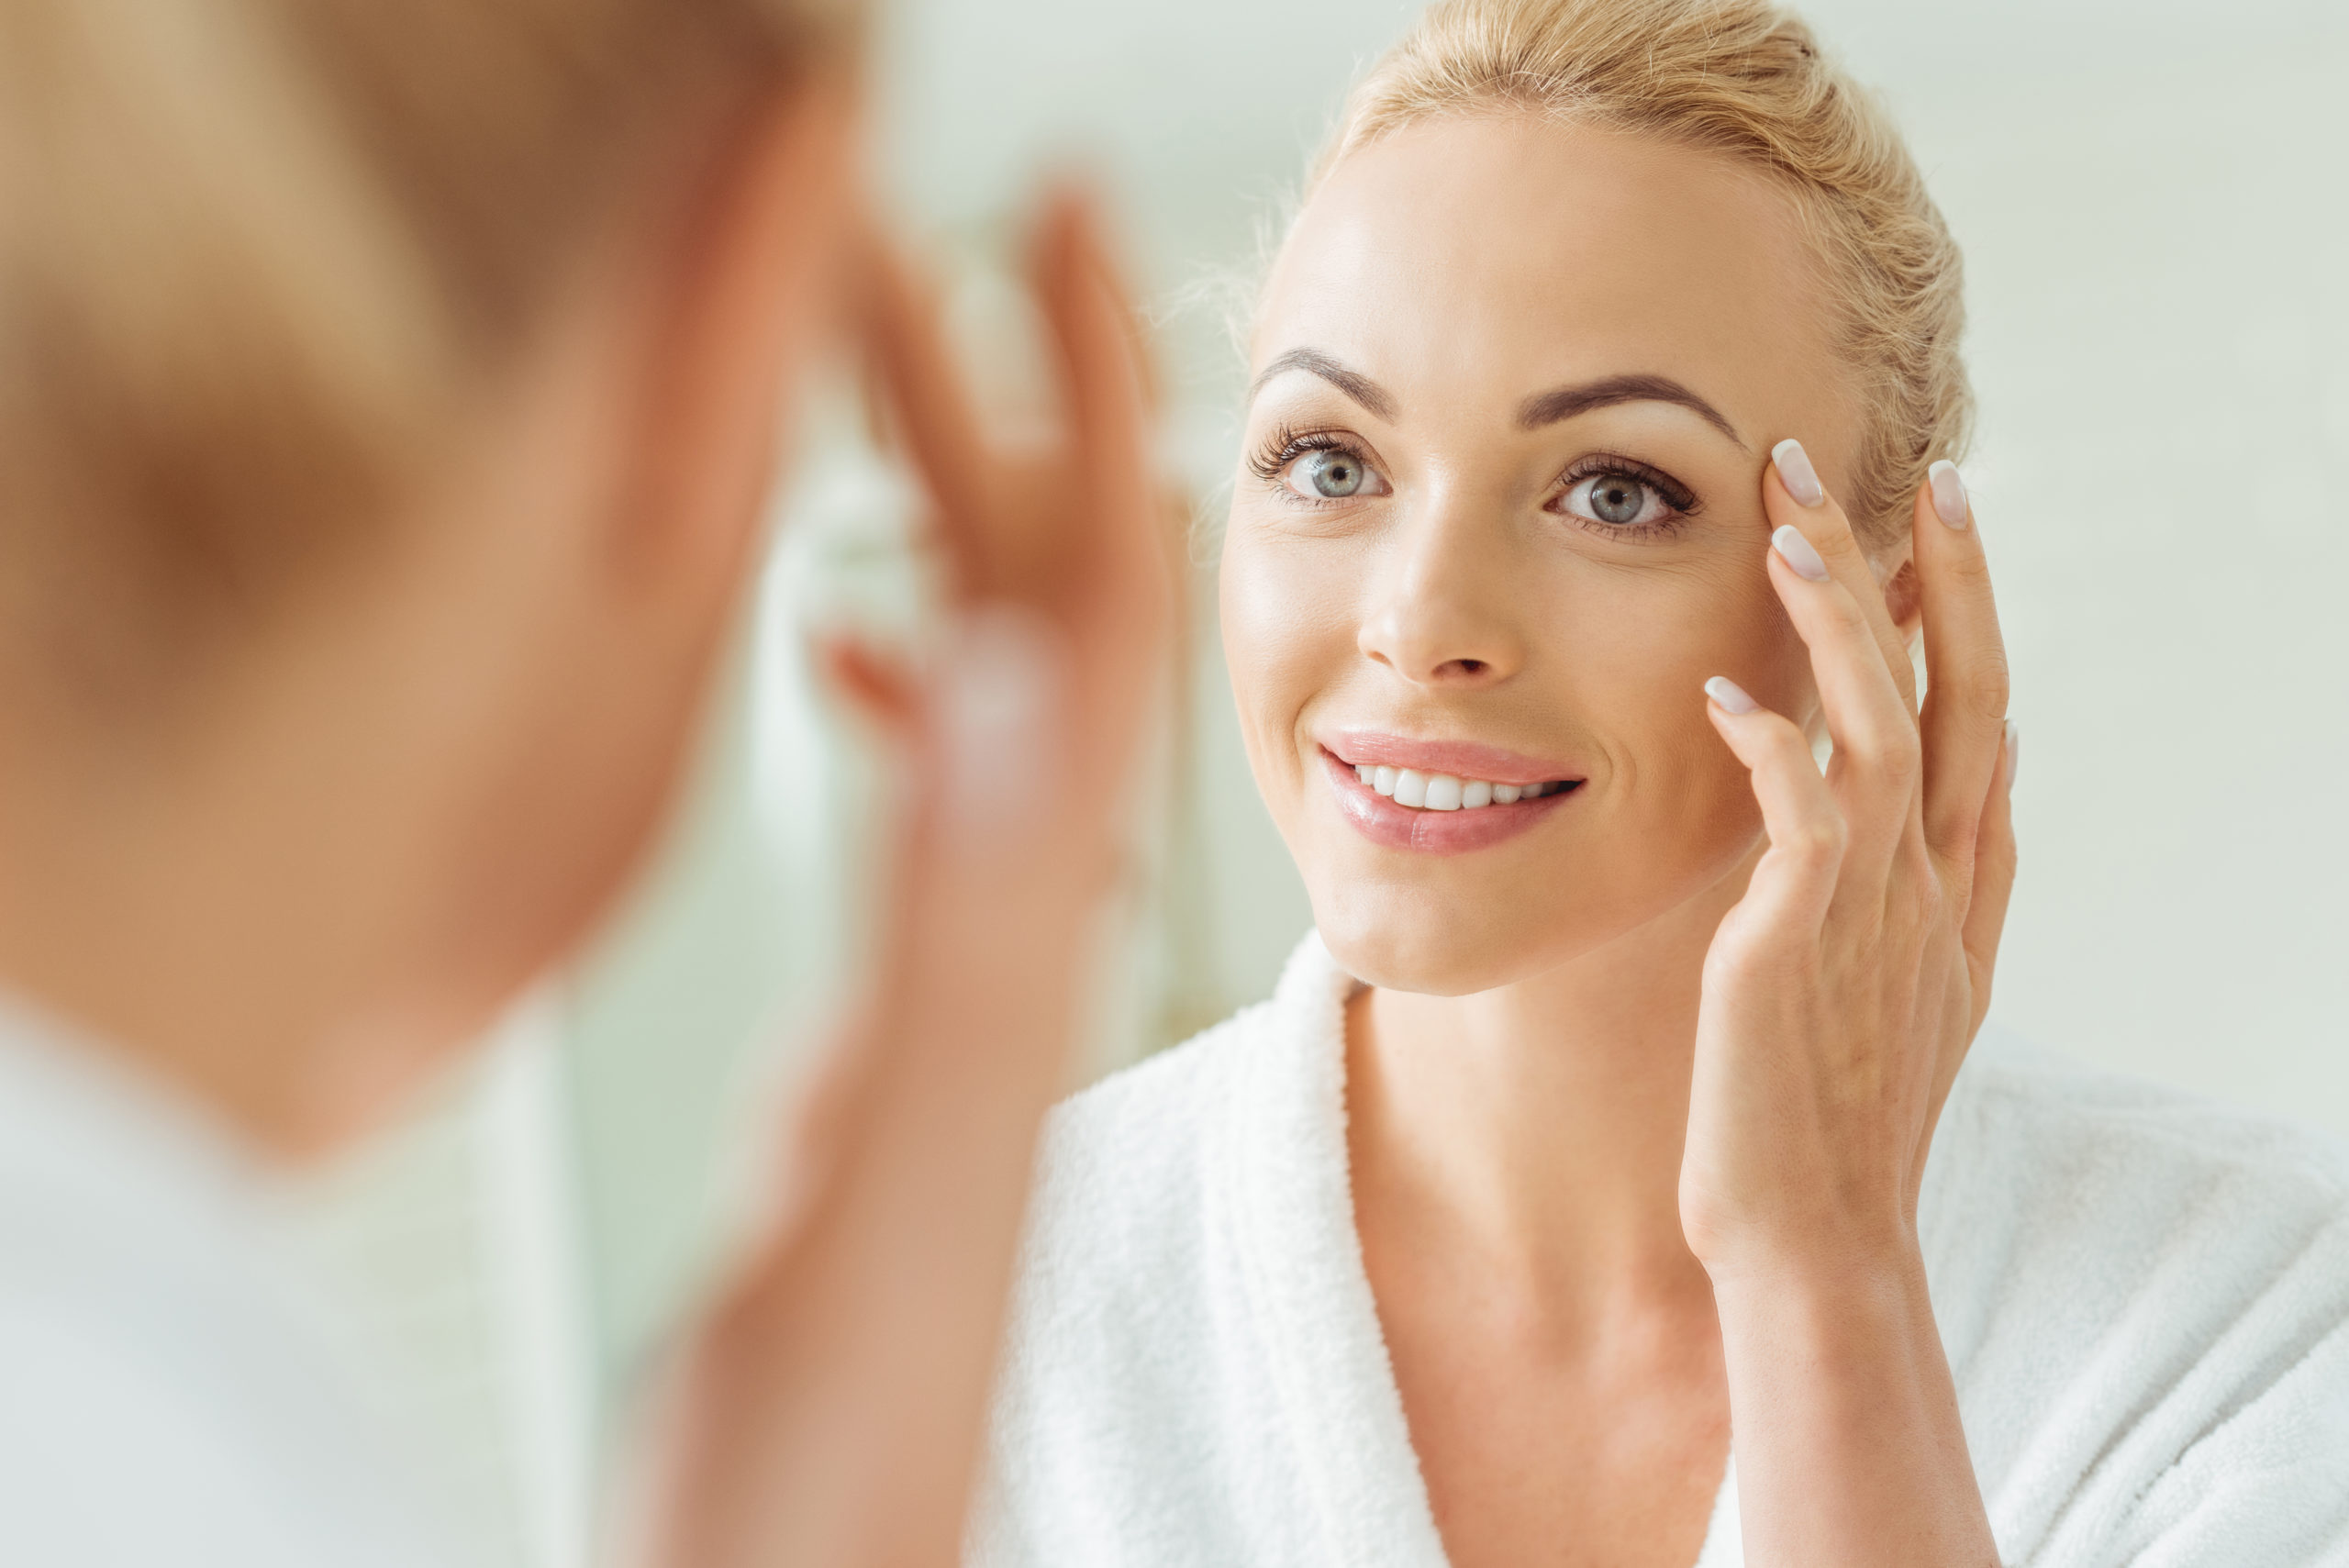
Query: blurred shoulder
[[230, 1460]]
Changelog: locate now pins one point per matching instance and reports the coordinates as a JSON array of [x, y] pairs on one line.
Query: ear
[[737, 301], [1904, 601]]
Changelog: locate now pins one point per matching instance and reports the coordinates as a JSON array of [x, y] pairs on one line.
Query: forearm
[[1849, 1449], [833, 1411]]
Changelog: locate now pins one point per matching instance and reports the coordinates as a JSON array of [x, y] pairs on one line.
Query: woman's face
[[1497, 520]]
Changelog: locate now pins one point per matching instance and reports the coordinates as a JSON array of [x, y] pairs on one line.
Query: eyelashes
[[1611, 494], [1285, 445], [1616, 465]]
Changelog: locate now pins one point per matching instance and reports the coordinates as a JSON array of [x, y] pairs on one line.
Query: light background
[[2154, 200]]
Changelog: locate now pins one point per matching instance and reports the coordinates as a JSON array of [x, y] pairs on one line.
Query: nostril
[[1468, 666]]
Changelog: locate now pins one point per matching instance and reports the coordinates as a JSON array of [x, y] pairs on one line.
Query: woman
[[390, 395], [1569, 1203]]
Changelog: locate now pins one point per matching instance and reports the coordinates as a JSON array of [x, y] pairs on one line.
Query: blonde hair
[[1746, 79], [256, 256]]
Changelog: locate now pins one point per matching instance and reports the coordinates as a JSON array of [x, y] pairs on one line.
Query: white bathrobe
[[173, 1392], [2145, 1299]]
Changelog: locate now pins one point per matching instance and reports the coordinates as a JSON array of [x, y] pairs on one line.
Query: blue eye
[[1617, 500], [1334, 475], [1331, 473]]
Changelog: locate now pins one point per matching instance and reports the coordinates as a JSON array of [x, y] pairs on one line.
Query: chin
[[1400, 942], [1436, 940]]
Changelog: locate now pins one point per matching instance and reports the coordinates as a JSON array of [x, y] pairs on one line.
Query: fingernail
[[1949, 493], [999, 697], [2014, 751], [1789, 542], [1796, 474], [1730, 695]]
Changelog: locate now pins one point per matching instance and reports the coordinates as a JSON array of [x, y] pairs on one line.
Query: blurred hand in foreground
[[831, 1409]]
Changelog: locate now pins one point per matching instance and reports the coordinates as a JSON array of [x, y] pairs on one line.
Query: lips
[[1442, 797], [1462, 759]]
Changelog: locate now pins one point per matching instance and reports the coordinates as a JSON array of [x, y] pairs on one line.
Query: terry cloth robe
[[2144, 1301]]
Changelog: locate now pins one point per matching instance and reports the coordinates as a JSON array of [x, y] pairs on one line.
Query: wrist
[[1793, 1274]]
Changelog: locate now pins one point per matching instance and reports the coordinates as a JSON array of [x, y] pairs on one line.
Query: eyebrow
[[1549, 408], [1566, 402], [1353, 383]]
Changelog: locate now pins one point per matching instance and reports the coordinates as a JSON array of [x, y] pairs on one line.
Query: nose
[[1444, 612]]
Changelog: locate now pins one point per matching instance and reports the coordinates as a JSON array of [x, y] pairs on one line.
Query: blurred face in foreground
[[1499, 516]]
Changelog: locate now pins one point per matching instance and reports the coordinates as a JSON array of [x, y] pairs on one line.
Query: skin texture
[[297, 883], [1638, 1096]]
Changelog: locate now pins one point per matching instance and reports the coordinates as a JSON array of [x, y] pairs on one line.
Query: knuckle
[[1849, 614], [1919, 875], [1998, 852], [1731, 959], [1898, 757], [1989, 686], [1986, 705], [1790, 744], [1819, 842], [1969, 568]]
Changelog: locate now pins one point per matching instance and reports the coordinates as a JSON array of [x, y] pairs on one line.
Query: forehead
[[1471, 260]]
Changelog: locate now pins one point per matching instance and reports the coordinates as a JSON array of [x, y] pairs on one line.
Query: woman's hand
[[1842, 991], [831, 1410], [1839, 997]]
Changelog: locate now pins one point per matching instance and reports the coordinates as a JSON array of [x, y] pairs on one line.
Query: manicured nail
[[1729, 694], [2014, 751], [1949, 493], [1788, 542], [998, 704], [1796, 474]]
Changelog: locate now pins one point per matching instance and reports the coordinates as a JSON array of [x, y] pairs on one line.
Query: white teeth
[[1446, 792]]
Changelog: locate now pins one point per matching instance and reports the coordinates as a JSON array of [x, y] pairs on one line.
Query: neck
[[192, 903], [1535, 1130]]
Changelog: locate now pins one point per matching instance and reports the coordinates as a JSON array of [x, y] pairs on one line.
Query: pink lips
[[1385, 823]]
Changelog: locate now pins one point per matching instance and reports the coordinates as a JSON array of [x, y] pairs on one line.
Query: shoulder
[[1157, 1103], [2077, 1149], [101, 1407], [1107, 1444], [2144, 1296], [1123, 1171]]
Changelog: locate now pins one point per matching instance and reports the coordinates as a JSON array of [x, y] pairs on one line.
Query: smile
[[1441, 792], [1432, 811]]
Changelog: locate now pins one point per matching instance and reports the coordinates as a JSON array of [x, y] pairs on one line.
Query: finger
[[1102, 388], [920, 383], [1794, 497], [1877, 747], [1994, 874], [1965, 666], [1795, 880]]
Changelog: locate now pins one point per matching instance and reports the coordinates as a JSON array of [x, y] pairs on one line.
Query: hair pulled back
[[257, 256], [1746, 79]]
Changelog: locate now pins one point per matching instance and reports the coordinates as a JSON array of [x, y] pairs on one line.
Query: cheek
[[1642, 677], [1286, 637]]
